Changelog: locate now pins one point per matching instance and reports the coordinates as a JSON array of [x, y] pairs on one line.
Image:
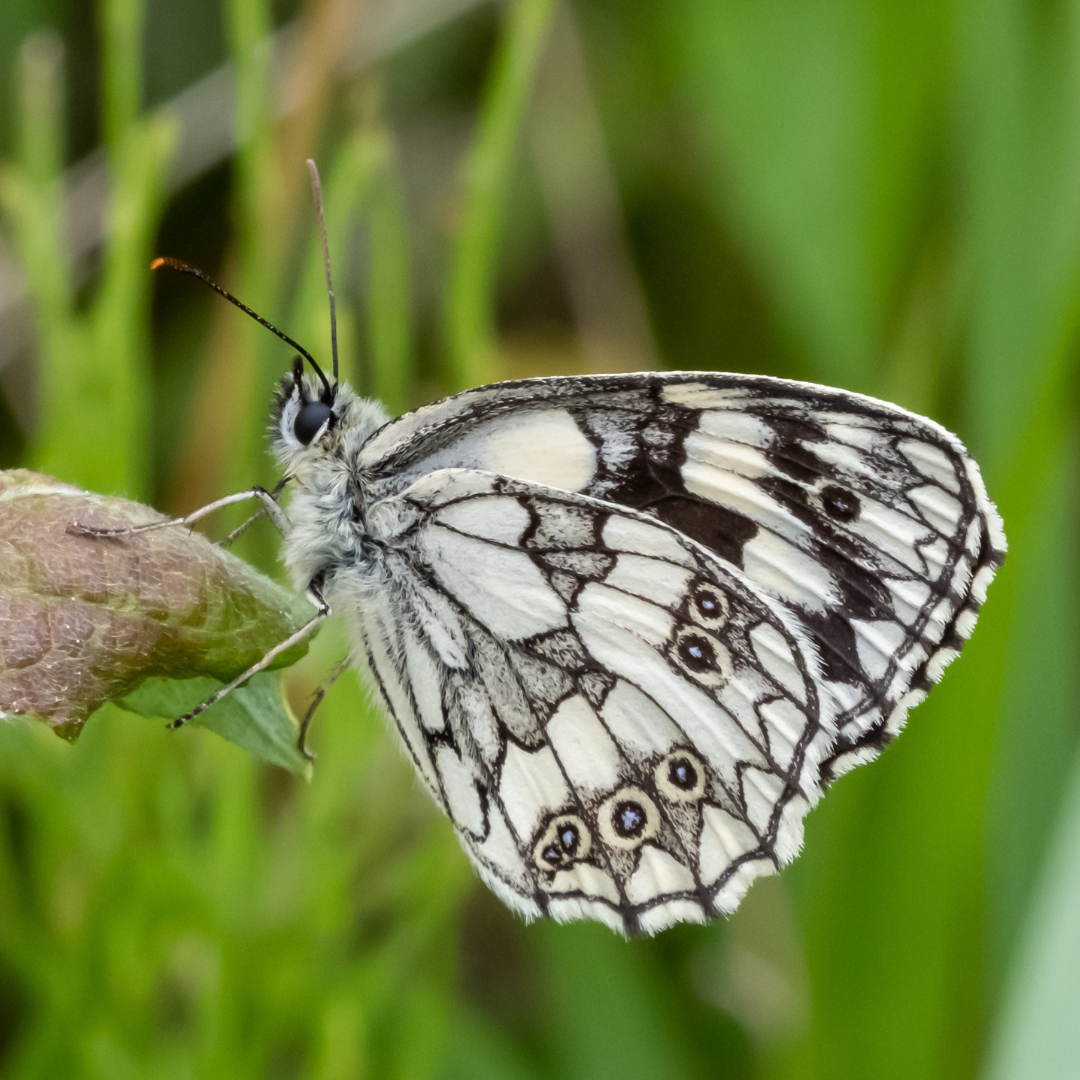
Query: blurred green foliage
[[879, 195]]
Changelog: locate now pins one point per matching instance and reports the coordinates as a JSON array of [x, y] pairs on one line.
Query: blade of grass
[[469, 316], [1037, 1037], [909, 838], [121, 24], [815, 118], [222, 447], [389, 308], [32, 197], [118, 326], [1022, 238], [258, 206], [94, 364]]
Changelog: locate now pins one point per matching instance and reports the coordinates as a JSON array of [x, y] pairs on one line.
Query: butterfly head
[[304, 412], [311, 419]]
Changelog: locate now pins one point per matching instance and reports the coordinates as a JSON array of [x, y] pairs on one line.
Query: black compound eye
[[839, 503], [628, 819], [696, 652], [310, 419], [682, 774]]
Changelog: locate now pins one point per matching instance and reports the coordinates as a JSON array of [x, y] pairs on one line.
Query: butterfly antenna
[[183, 268], [316, 192]]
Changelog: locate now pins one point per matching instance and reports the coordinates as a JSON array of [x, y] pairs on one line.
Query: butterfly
[[630, 627]]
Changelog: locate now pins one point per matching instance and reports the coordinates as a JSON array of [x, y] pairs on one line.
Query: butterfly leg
[[226, 541], [268, 498], [322, 611], [316, 700]]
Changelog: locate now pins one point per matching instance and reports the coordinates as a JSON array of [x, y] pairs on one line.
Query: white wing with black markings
[[870, 524], [620, 724]]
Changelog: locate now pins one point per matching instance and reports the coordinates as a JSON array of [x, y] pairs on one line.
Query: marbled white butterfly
[[629, 627]]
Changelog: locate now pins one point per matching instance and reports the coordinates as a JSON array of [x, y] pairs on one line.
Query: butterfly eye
[[681, 777], [628, 818], [310, 419]]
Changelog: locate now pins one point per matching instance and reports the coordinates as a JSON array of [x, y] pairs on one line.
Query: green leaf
[[85, 619], [255, 716]]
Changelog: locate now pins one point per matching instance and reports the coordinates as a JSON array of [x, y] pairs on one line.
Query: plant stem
[[470, 302]]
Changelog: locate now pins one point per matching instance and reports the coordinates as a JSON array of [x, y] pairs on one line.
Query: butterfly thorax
[[327, 490]]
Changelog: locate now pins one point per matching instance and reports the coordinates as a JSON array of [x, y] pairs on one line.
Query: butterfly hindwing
[[871, 524], [619, 725]]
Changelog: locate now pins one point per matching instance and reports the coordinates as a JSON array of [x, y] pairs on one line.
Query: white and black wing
[[871, 524], [620, 725]]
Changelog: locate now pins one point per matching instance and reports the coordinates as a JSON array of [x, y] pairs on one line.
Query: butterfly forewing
[[870, 523]]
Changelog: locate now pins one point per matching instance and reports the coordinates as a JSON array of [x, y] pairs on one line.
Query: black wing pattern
[[870, 524]]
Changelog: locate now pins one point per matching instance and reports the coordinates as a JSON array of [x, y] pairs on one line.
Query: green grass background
[[876, 194]]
